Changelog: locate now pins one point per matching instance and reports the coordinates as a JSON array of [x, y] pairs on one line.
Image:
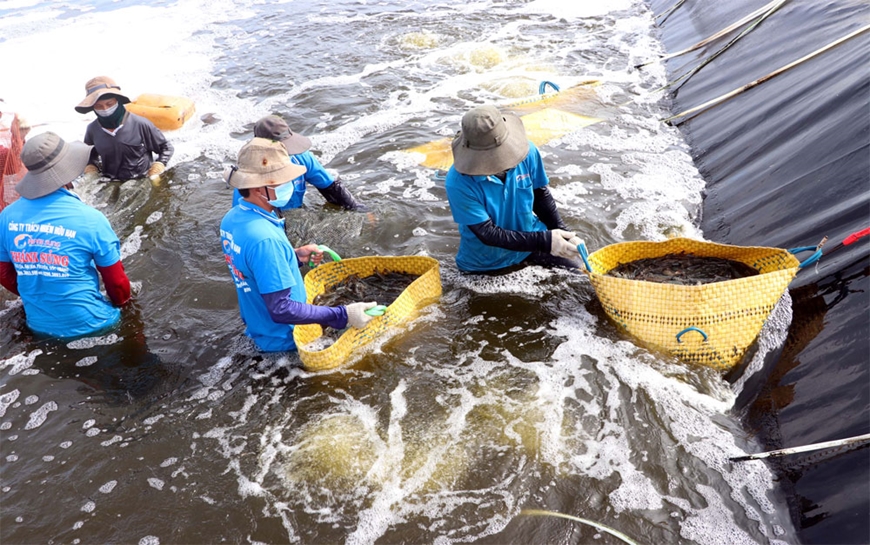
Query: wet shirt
[[56, 243], [261, 260], [128, 154], [316, 175], [475, 199]]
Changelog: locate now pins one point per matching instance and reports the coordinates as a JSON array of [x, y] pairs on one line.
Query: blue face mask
[[283, 194]]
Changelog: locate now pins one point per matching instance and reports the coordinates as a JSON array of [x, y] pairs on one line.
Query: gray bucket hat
[[275, 128], [490, 142], [263, 163], [97, 88], [51, 164]]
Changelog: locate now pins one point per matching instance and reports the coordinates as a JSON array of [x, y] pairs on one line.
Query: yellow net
[[423, 291], [708, 324], [541, 127]]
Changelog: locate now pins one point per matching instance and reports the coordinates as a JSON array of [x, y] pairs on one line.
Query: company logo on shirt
[[22, 241]]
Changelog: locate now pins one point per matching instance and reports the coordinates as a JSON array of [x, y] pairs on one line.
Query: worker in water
[[124, 143], [498, 195], [52, 245], [298, 148], [262, 263]]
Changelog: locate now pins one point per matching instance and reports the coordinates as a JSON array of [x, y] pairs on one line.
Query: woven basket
[[676, 318], [420, 293]]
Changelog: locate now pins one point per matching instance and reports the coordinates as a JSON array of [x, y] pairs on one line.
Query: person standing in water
[[298, 148], [262, 263], [498, 195], [52, 245], [124, 143]]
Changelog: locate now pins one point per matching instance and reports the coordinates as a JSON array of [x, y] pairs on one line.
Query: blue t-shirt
[[316, 175], [261, 260], [56, 243], [475, 199]]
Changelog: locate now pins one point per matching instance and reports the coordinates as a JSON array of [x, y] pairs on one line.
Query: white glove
[[562, 244], [356, 314]]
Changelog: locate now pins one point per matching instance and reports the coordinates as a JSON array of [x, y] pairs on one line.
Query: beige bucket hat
[[490, 142], [51, 164], [275, 128], [263, 163], [95, 89]]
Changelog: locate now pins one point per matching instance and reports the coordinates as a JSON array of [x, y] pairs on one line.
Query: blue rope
[[584, 253], [810, 260], [543, 87], [692, 328]]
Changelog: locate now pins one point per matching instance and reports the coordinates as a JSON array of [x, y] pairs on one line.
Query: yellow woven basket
[[710, 324], [421, 292]]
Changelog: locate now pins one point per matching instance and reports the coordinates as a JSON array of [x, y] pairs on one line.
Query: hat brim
[[68, 166], [492, 161], [87, 104], [241, 179], [296, 143]]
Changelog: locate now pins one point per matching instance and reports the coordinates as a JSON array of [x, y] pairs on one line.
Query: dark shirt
[[127, 154]]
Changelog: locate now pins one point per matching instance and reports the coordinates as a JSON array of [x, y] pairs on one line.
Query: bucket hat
[[262, 163], [51, 164], [95, 89], [489, 142], [275, 128]]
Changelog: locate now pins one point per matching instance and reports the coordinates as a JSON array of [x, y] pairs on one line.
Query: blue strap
[[584, 254], [692, 328], [810, 260], [543, 87]]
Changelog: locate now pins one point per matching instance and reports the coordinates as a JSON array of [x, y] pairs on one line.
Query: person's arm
[[9, 277], [117, 283], [544, 207], [518, 241], [155, 142], [335, 193], [284, 310]]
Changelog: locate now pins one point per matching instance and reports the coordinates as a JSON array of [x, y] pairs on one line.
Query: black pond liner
[[787, 162]]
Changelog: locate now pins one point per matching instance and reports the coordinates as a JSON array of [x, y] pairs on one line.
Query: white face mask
[[107, 112], [283, 194]]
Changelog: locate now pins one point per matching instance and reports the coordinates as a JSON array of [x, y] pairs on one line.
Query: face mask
[[283, 193], [107, 112]]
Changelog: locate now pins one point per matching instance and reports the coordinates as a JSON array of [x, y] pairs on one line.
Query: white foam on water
[[132, 243], [38, 417], [154, 217], [156, 483], [86, 361], [20, 362], [90, 342], [108, 487], [149, 540], [30, 400], [89, 507], [7, 399]]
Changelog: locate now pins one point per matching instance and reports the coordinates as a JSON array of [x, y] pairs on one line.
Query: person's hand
[[576, 241], [91, 169], [309, 253], [356, 314], [561, 244], [156, 169]]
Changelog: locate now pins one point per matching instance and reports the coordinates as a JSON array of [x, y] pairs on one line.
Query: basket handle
[[328, 251], [543, 87], [810, 260], [691, 328], [584, 253], [377, 310]]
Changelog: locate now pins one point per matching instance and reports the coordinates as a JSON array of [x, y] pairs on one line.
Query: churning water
[[512, 393]]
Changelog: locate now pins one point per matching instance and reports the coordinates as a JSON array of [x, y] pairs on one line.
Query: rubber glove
[[356, 314], [576, 241], [91, 169], [561, 246], [156, 169]]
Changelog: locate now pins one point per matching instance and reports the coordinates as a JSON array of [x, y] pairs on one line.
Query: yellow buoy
[[166, 112]]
